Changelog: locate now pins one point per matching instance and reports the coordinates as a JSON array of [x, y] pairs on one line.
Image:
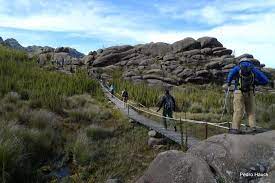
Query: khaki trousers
[[243, 102]]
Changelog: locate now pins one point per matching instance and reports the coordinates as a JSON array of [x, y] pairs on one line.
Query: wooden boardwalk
[[134, 115]]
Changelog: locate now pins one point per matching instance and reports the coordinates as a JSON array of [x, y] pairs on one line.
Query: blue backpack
[[246, 77]]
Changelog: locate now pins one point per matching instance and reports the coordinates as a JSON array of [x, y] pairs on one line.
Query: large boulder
[[213, 65], [62, 58], [203, 73], [75, 54], [229, 155], [88, 59], [154, 71], [190, 53], [153, 76], [196, 80], [209, 42], [115, 49], [177, 167], [71, 51], [186, 73], [169, 57], [185, 45], [61, 49], [107, 60], [47, 49], [112, 55], [222, 52], [1, 40], [155, 49]]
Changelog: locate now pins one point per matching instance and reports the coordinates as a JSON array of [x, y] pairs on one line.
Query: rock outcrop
[[13, 43], [1, 40], [186, 61], [227, 158], [177, 167]]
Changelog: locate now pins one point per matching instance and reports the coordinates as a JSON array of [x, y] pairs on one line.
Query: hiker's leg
[[170, 115], [164, 114], [250, 108], [238, 105]]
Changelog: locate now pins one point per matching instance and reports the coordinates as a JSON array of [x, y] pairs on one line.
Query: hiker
[[112, 90], [125, 96], [169, 105], [246, 77]]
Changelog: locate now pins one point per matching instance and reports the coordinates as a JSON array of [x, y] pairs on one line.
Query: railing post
[[206, 130], [186, 137], [181, 134]]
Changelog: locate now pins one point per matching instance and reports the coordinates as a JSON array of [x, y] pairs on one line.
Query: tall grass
[[44, 88], [204, 100]]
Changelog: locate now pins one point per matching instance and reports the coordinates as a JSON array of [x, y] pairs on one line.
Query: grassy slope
[[51, 120]]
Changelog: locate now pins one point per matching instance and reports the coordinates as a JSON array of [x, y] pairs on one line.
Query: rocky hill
[[37, 50], [200, 61]]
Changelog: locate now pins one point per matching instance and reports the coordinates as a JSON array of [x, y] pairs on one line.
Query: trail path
[[134, 115]]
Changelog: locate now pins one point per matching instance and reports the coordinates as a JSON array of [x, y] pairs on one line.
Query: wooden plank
[[170, 134]]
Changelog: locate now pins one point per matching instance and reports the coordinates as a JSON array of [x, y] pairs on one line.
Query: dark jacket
[[165, 99]]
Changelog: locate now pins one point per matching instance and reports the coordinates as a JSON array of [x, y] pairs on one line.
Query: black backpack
[[246, 78], [125, 94], [169, 103]]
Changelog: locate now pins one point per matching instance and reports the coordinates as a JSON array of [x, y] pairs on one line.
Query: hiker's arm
[[161, 104], [233, 73], [260, 77]]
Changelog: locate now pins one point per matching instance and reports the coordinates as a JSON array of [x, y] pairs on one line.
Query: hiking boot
[[252, 130], [234, 131]]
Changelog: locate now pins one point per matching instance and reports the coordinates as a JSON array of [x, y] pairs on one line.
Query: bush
[[10, 156], [12, 97], [98, 133], [42, 119], [196, 108], [81, 149], [22, 150]]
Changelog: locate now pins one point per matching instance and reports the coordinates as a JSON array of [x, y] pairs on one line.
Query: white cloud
[[108, 23]]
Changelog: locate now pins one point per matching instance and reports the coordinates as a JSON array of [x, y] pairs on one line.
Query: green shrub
[[22, 150], [10, 156], [81, 149], [42, 119], [81, 115], [196, 108], [11, 97], [98, 133]]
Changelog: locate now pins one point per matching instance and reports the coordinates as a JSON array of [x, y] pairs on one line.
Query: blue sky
[[243, 26]]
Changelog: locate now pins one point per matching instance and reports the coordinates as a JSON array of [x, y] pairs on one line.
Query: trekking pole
[[225, 105], [181, 135]]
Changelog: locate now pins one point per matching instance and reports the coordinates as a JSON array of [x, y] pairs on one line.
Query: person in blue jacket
[[246, 77]]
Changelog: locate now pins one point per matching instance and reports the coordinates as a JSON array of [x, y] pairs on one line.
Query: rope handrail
[[175, 119], [158, 115]]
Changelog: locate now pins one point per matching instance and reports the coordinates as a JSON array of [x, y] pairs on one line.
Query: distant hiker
[[125, 96], [246, 77], [112, 90], [169, 105]]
